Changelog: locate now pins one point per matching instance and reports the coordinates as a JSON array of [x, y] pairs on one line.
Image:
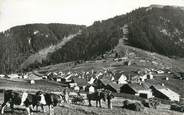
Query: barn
[[164, 93], [120, 78], [138, 89]]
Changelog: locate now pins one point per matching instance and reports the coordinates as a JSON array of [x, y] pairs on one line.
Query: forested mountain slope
[[155, 28], [18, 43]]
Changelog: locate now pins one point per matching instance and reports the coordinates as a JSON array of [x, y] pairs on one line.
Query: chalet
[[138, 89], [72, 85], [150, 76], [44, 77], [32, 76], [146, 76], [163, 92], [12, 76], [69, 78], [120, 78], [77, 88], [91, 81], [143, 77], [58, 79], [90, 89], [114, 87], [132, 76], [135, 79], [32, 82], [160, 72]]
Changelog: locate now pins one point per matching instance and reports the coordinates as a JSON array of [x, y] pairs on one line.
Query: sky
[[83, 12]]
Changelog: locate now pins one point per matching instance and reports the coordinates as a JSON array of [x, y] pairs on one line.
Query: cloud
[[19, 12]]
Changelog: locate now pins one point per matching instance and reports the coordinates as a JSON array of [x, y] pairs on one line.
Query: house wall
[[148, 93]]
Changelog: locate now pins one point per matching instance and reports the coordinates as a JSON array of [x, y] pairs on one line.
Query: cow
[[19, 98], [48, 99]]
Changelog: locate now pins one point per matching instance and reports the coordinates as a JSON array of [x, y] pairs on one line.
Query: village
[[141, 84]]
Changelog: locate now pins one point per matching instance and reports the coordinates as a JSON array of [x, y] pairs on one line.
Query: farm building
[[135, 79], [143, 77], [32, 76], [114, 87], [160, 71], [91, 81], [146, 76], [12, 76], [69, 78], [120, 78], [90, 89], [58, 79], [164, 93], [150, 76], [77, 88], [132, 76], [137, 89]]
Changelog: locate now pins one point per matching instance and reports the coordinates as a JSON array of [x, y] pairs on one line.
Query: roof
[[105, 81], [137, 86], [118, 75], [158, 86], [80, 82], [32, 76], [130, 74], [168, 92], [115, 86], [164, 90]]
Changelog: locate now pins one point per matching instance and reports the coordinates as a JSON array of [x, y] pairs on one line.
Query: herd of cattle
[[29, 101], [32, 101]]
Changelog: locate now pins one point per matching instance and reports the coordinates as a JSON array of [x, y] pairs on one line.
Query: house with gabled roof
[[138, 89], [120, 78], [163, 92]]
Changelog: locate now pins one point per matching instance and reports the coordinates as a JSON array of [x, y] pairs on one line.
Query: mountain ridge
[[18, 43], [159, 29]]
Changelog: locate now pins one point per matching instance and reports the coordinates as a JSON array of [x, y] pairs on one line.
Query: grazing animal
[[47, 99], [96, 96], [18, 98]]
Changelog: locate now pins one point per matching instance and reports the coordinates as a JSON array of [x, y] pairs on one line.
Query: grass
[[71, 109], [44, 85]]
